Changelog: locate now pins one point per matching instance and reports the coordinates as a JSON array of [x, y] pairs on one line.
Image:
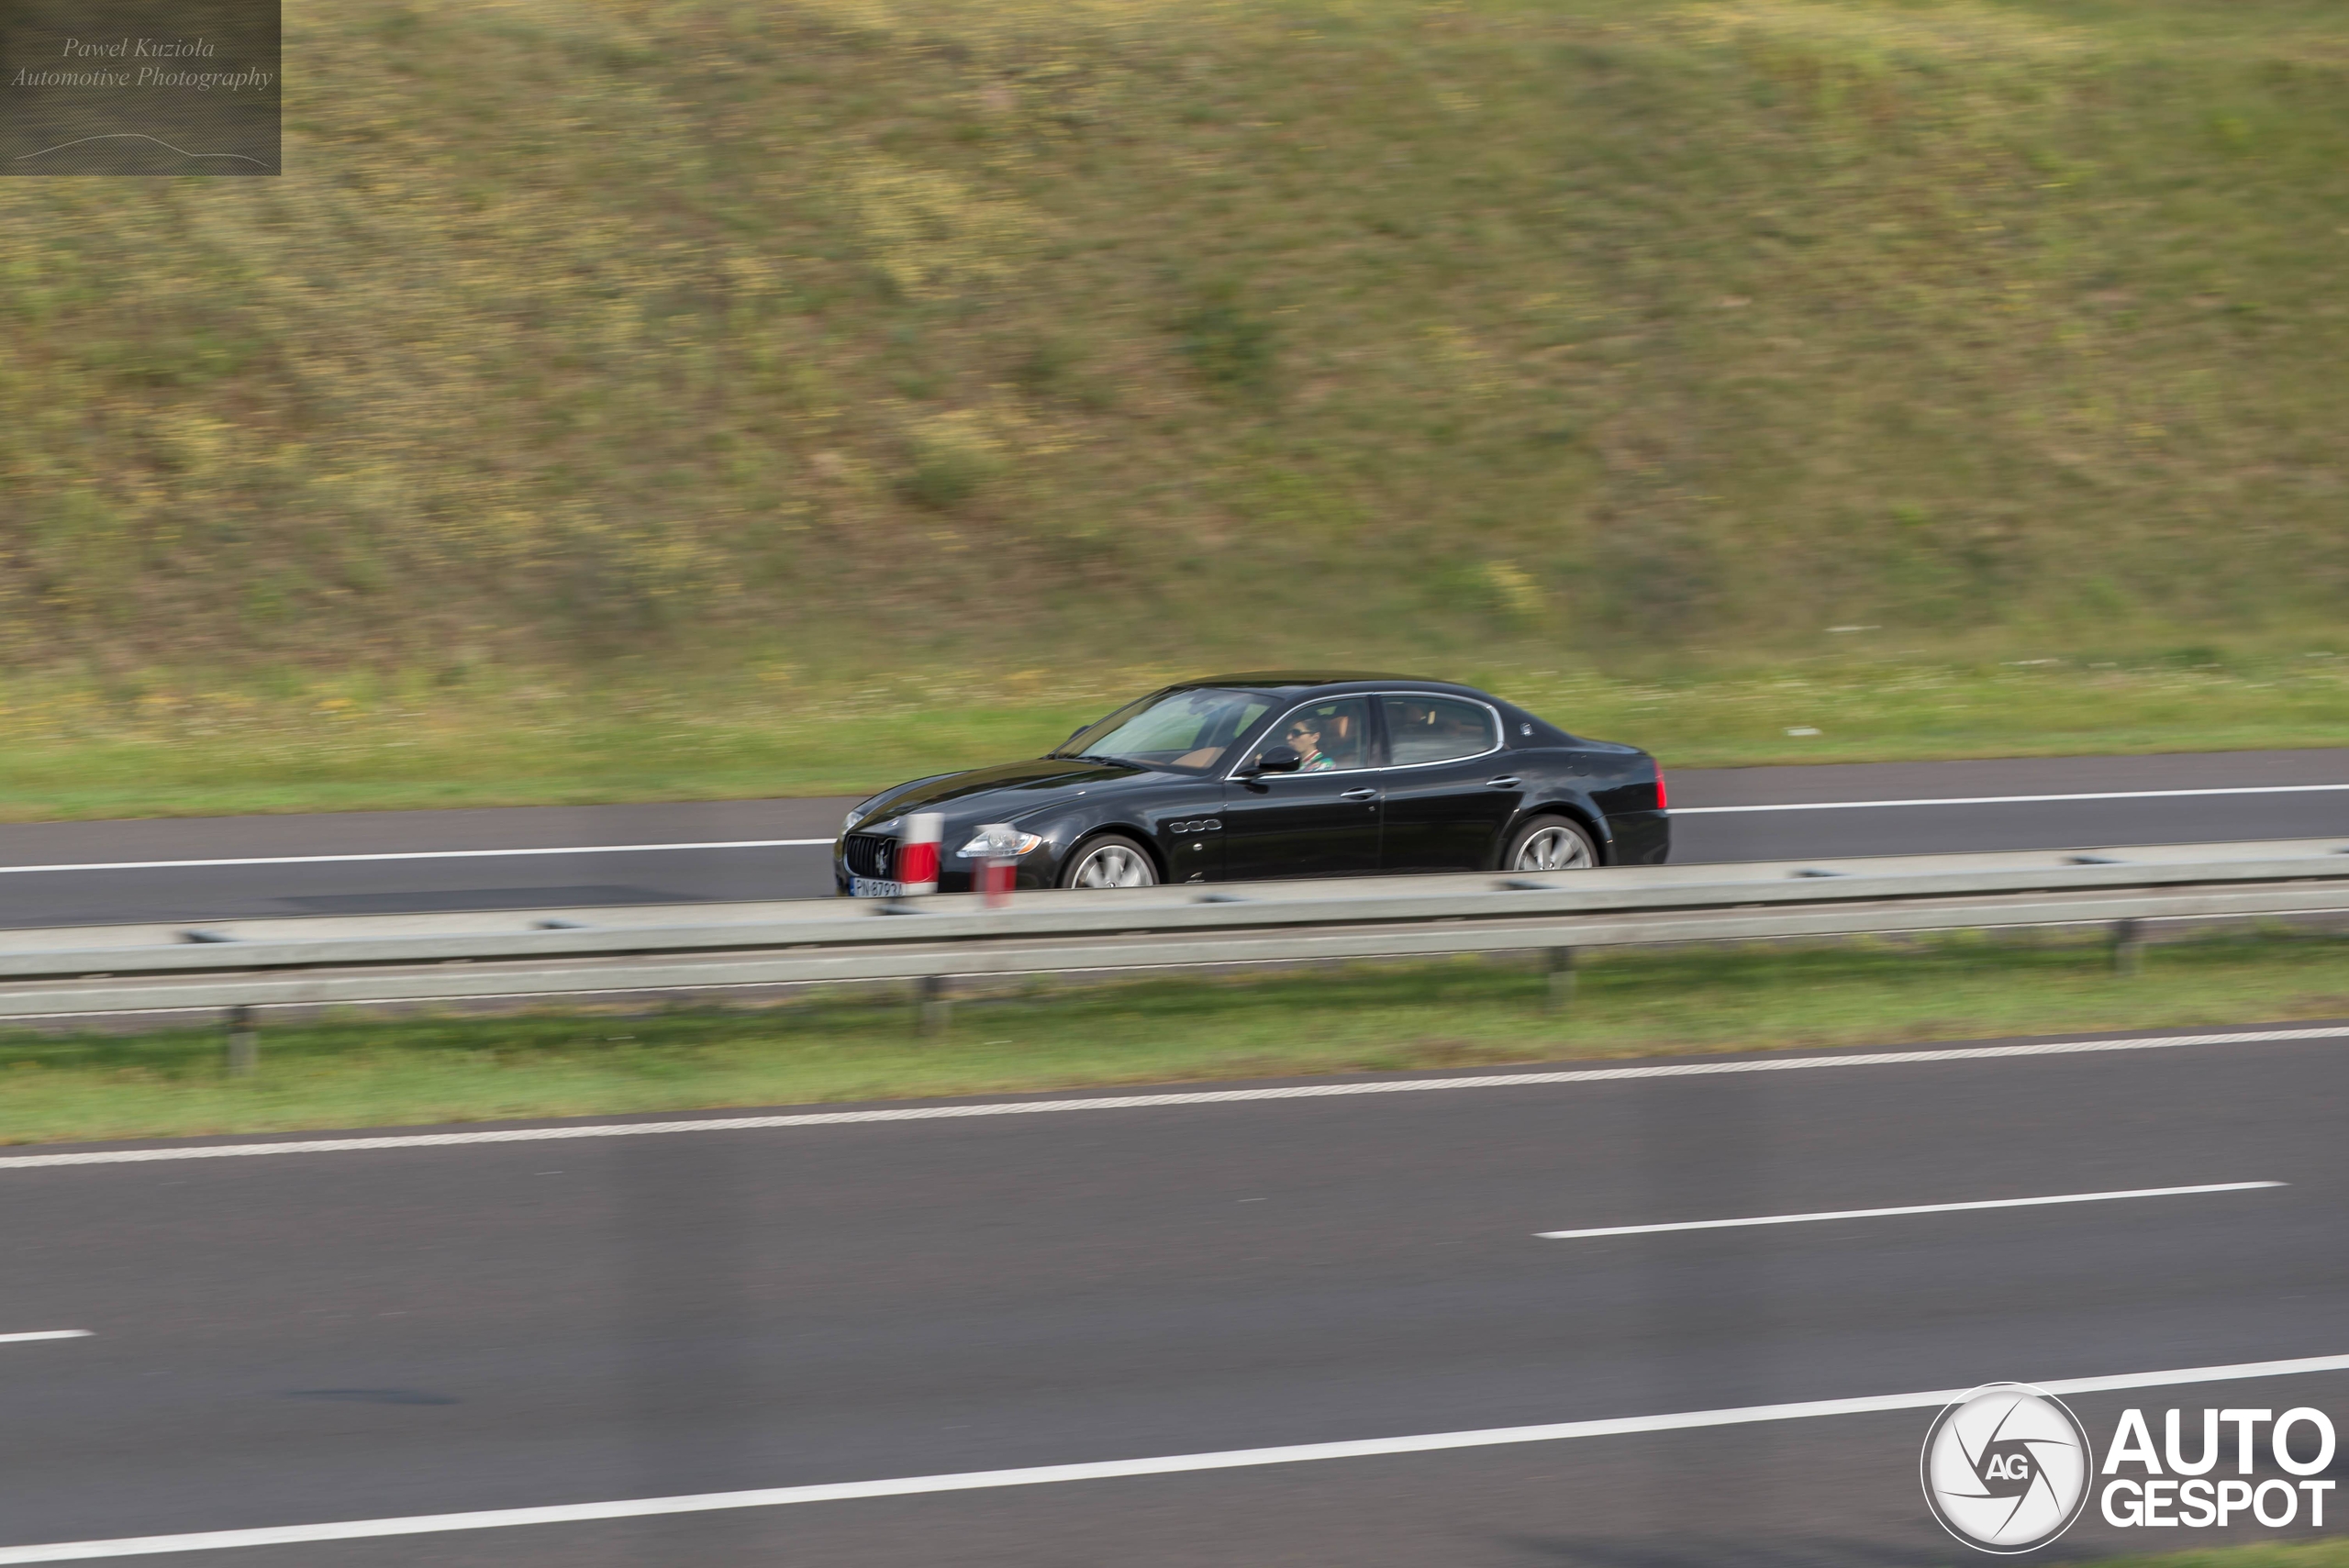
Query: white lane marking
[[419, 855], [1911, 1208], [1150, 1101], [1171, 1464], [812, 843], [45, 1334], [2011, 800]]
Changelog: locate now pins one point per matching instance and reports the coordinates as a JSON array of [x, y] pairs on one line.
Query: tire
[[1110, 860], [1550, 844]]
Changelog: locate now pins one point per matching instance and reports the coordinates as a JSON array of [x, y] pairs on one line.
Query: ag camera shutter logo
[[2006, 1468]]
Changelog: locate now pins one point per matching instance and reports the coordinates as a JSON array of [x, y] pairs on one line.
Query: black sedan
[[1279, 773]]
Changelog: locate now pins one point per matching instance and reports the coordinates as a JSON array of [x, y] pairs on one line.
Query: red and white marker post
[[917, 853], [998, 867]]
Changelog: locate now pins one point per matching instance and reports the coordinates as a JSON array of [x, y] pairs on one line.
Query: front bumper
[[1038, 868]]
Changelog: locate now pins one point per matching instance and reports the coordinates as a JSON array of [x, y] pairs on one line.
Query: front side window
[[1436, 730], [1333, 736], [1186, 730]]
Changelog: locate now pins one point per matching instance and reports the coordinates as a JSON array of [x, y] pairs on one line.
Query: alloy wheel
[[1554, 849], [1114, 865]]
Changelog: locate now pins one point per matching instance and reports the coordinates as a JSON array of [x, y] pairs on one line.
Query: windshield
[[1185, 730]]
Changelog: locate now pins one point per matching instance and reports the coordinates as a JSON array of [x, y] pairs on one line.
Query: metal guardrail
[[578, 953]]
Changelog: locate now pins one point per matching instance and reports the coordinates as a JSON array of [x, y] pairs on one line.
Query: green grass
[[354, 742], [1366, 1017], [686, 341], [2331, 1551]]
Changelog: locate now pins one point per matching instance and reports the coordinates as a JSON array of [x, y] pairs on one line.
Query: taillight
[[1663, 799]]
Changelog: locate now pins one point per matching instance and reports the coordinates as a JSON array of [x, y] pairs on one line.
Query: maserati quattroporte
[[1280, 773]]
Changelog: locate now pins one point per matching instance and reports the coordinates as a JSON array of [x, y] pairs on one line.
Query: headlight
[[998, 842], [859, 809]]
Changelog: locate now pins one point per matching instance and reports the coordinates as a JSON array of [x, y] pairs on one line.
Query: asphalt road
[[778, 848], [378, 1335]]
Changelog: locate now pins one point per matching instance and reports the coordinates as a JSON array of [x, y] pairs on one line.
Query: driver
[[1304, 733]]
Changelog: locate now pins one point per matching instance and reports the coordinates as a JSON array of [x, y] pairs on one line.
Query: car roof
[[1298, 680]]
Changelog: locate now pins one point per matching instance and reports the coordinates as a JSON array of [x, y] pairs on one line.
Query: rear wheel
[[1110, 860], [1550, 844]]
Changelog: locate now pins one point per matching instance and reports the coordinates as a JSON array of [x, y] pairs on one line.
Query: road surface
[[376, 862], [376, 1335]]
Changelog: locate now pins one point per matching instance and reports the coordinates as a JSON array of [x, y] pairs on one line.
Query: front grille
[[870, 854]]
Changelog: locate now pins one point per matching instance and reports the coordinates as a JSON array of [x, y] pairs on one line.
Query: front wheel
[[1550, 844], [1110, 860]]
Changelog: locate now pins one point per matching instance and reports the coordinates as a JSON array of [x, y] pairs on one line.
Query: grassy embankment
[[1369, 1018], [607, 396]]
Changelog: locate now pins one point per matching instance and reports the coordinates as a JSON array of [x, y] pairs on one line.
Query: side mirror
[[1276, 760]]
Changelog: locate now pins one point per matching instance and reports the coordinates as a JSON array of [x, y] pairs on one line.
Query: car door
[[1449, 791], [1322, 820]]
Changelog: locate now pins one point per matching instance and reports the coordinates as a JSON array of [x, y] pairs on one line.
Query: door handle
[[1503, 782], [1358, 795]]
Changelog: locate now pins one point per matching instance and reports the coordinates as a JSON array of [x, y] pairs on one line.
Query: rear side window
[[1436, 730]]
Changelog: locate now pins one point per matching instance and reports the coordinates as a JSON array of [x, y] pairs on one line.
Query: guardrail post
[[1561, 979], [936, 1009], [2128, 948], [244, 1043]]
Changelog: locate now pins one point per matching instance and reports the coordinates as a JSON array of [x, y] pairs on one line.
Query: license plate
[[875, 887]]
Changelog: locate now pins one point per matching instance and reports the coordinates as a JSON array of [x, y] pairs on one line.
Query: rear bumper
[[1641, 838]]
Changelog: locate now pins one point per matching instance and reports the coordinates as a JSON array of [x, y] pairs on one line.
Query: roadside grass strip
[[1159, 1101], [1107, 1469], [2328, 1551]]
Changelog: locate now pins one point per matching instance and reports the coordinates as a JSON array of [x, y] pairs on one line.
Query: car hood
[[1022, 786]]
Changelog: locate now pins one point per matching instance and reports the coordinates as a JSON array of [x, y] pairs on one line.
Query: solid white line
[[45, 1334], [1173, 1464], [811, 843], [2009, 799], [1911, 1208], [1150, 1101], [419, 855]]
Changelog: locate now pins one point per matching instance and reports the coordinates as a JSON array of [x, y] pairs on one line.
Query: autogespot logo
[[2006, 1468]]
